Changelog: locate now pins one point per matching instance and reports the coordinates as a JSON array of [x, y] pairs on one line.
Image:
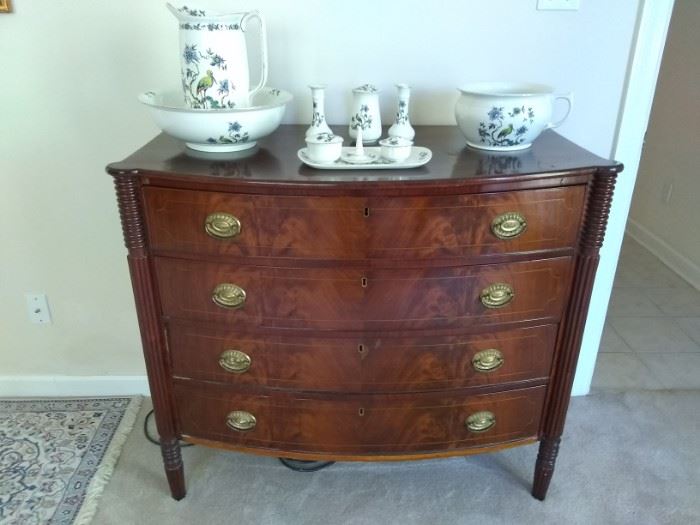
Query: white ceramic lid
[[366, 88], [324, 138], [395, 142]]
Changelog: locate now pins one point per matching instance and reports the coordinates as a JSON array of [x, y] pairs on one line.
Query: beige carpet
[[630, 458]]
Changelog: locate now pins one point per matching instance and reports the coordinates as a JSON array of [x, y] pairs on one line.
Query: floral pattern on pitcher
[[209, 27], [495, 132], [204, 90]]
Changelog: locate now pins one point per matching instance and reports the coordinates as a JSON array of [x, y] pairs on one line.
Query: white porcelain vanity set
[[220, 112], [324, 150]]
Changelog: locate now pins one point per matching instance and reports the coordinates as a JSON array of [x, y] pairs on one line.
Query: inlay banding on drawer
[[365, 363], [354, 299], [358, 424], [365, 228]]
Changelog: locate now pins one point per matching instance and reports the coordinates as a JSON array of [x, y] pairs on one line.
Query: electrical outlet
[[38, 308], [558, 5]]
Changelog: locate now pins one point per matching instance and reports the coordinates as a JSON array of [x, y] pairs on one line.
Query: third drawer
[[363, 363]]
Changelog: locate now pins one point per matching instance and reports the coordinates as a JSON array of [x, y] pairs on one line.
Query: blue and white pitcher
[[214, 57]]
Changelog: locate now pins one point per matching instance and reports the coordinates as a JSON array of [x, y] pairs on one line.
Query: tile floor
[[651, 339]]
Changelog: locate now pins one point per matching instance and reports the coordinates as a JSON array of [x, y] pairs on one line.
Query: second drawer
[[361, 364], [353, 299]]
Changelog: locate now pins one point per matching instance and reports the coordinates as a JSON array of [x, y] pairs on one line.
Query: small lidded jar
[[365, 114], [395, 149], [324, 147]]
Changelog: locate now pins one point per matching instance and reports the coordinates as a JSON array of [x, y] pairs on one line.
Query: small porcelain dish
[[324, 147], [395, 149], [217, 130]]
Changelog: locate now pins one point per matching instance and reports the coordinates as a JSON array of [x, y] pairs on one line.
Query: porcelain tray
[[419, 156]]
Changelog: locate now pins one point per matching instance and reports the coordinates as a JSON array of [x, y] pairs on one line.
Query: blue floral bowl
[[217, 130]]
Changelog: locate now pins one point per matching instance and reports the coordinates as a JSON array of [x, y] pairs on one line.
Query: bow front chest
[[362, 315]]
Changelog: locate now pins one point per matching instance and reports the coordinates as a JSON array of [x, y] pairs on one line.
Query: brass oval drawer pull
[[480, 421], [234, 361], [222, 225], [228, 295], [508, 225], [488, 360], [241, 421], [497, 295]]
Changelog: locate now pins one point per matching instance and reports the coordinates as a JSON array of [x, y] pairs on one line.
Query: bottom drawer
[[356, 424]]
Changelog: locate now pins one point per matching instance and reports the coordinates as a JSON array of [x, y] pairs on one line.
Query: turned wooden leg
[[544, 468], [172, 460]]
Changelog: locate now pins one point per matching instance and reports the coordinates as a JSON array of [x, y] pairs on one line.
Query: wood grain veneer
[[353, 299], [364, 363], [344, 228], [361, 424]]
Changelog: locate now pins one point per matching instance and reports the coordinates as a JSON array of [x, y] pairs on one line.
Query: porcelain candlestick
[[402, 127], [318, 117]]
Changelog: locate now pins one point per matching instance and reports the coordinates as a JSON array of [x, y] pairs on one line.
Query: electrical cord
[[151, 438], [297, 465]]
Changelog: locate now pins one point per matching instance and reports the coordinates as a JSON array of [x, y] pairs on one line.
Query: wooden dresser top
[[551, 161]]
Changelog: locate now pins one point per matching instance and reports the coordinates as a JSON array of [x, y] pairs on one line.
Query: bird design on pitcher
[[197, 86], [206, 82]]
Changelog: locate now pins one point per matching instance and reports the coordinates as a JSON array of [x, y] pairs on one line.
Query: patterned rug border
[[109, 459]]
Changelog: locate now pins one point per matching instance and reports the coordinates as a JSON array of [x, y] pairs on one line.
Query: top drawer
[[363, 228]]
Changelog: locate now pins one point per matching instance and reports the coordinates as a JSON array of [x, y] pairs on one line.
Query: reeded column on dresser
[[152, 337], [586, 263]]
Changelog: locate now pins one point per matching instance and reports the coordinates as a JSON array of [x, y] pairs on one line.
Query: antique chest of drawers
[[365, 315]]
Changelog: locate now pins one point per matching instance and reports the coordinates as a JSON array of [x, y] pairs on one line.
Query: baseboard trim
[[672, 258], [72, 386]]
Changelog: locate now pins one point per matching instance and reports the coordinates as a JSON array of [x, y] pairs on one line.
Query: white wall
[[69, 73], [664, 209]]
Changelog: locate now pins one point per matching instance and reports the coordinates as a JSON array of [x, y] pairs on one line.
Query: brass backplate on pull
[[222, 225], [480, 421], [228, 295], [234, 361], [487, 360], [241, 421], [497, 295], [508, 225]]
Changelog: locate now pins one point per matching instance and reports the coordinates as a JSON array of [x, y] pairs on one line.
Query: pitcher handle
[[263, 49], [569, 97]]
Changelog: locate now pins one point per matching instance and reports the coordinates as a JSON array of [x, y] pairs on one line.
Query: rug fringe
[[106, 468]]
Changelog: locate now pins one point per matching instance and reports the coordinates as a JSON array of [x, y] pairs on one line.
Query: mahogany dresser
[[363, 315]]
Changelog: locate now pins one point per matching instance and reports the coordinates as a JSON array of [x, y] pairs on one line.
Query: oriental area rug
[[57, 455]]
